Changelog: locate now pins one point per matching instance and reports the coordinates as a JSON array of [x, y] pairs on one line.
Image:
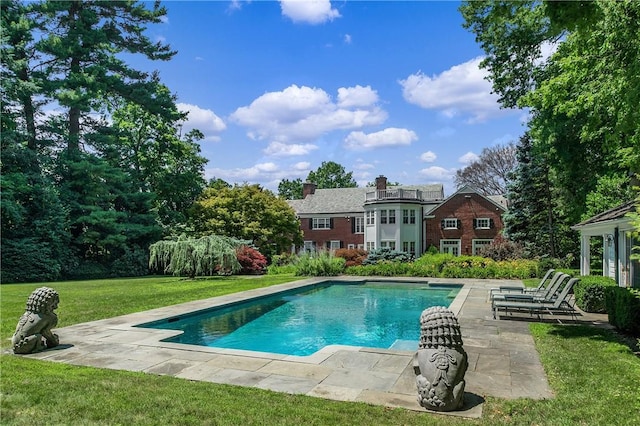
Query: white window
[[388, 244], [360, 246], [392, 216], [321, 223], [409, 247], [359, 226], [408, 216], [351, 246], [478, 244], [450, 246], [334, 245], [482, 223], [371, 218], [450, 223], [309, 246], [383, 216], [371, 245]]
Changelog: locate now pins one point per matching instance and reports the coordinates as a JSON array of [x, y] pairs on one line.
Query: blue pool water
[[371, 314]]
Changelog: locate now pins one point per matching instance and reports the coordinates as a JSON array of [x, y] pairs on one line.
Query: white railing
[[402, 194]]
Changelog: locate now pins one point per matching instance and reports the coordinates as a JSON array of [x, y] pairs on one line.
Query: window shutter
[[341, 244], [331, 223], [310, 223], [327, 244], [458, 224], [491, 224], [475, 223], [442, 224], [353, 224]]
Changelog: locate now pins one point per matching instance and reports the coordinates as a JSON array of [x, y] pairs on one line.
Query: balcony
[[400, 194]]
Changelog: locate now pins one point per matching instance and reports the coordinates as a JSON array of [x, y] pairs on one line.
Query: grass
[[593, 375]]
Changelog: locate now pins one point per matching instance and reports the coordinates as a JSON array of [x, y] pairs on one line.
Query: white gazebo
[[614, 228]]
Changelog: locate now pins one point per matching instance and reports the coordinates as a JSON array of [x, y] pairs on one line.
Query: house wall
[[465, 207], [340, 231]]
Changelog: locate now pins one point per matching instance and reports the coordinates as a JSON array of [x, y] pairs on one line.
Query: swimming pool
[[376, 314]]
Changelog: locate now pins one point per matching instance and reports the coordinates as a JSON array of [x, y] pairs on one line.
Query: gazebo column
[[585, 254]]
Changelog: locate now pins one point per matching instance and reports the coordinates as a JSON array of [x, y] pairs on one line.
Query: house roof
[[343, 200], [498, 200], [615, 213]]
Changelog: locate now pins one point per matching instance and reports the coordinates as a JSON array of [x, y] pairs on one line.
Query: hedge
[[590, 293], [623, 308]]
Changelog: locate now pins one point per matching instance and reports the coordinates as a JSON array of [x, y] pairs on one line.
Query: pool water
[[370, 314]]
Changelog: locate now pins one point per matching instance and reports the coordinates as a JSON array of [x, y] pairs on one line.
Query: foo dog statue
[[33, 332], [441, 362]]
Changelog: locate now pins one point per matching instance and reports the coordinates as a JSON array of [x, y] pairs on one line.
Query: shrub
[[383, 268], [353, 257], [284, 259], [251, 260], [281, 269], [319, 265], [386, 254], [590, 293], [623, 309], [502, 249]]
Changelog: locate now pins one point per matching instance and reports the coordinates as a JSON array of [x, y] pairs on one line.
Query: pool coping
[[502, 359]]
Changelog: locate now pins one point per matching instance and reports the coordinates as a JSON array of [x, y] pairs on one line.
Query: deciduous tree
[[247, 212], [332, 175], [489, 174]]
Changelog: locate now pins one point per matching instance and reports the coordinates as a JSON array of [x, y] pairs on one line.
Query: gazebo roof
[[609, 215]]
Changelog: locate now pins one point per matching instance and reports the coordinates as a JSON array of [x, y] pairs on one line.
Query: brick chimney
[[381, 183], [308, 188]]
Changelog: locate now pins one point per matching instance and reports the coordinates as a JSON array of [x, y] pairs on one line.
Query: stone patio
[[503, 361]]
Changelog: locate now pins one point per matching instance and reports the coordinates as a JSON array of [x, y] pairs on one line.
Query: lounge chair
[[542, 294], [560, 304], [514, 289]]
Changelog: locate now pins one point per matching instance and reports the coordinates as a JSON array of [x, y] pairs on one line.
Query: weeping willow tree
[[209, 255]]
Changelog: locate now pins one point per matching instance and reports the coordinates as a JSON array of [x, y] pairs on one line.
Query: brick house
[[401, 218], [464, 222]]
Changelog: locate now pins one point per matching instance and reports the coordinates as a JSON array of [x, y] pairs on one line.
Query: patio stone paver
[[503, 361]]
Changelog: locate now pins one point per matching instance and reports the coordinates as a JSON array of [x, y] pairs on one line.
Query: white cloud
[[391, 136], [428, 157], [468, 158], [357, 96], [462, 89], [361, 165], [302, 165], [266, 174], [164, 19], [347, 38], [300, 114], [436, 173], [204, 120], [309, 11], [278, 149]]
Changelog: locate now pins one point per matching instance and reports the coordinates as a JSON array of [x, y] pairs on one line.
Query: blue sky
[[278, 87]]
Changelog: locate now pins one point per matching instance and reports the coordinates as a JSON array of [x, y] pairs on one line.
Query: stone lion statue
[[33, 332], [440, 362]]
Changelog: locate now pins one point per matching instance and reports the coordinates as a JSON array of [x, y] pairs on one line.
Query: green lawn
[[595, 378]]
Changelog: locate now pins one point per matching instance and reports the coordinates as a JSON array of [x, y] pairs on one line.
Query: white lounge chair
[[560, 304]]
